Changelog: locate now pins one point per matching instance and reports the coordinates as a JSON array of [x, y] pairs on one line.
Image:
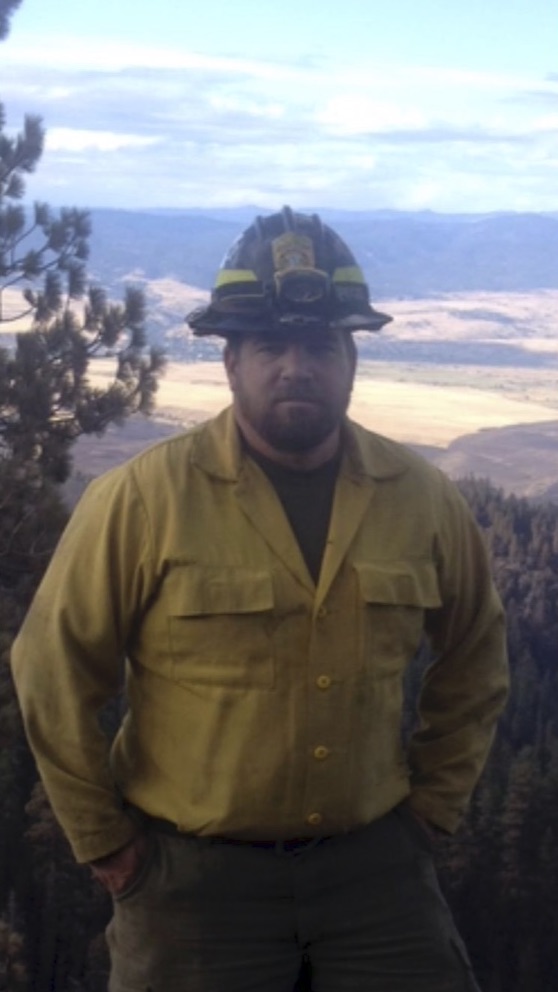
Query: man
[[268, 578]]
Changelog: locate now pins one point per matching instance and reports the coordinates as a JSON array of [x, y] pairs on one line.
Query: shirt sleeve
[[68, 659], [465, 688]]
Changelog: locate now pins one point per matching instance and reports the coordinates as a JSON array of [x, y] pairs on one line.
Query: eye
[[322, 347], [270, 347]]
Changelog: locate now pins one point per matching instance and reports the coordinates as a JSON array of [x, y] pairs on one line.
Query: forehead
[[309, 339]]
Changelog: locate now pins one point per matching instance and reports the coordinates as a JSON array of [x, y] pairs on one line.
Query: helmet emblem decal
[[292, 251]]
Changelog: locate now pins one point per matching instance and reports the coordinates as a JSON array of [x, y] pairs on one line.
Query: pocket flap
[[399, 583], [197, 590]]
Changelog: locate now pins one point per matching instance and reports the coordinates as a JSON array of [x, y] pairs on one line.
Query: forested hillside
[[500, 872]]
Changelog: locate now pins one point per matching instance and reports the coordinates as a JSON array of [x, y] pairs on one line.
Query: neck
[[300, 461]]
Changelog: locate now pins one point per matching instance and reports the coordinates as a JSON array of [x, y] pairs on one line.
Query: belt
[[293, 845]]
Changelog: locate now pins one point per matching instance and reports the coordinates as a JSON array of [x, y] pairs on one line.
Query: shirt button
[[321, 752], [323, 681], [322, 612], [314, 819]]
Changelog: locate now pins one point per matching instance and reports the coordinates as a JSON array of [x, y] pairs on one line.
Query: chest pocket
[[219, 626], [394, 595]]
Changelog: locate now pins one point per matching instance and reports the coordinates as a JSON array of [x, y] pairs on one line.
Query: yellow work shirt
[[259, 706]]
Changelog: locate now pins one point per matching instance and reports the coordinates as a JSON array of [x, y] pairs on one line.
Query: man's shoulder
[[406, 476], [157, 465], [175, 448], [383, 457], [166, 451]]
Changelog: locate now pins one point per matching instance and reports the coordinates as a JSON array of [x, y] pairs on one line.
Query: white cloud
[[548, 123], [176, 128], [236, 104], [360, 114], [82, 55], [75, 140]]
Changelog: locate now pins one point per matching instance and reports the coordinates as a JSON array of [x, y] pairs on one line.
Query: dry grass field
[[423, 404], [406, 403], [416, 405], [419, 404]]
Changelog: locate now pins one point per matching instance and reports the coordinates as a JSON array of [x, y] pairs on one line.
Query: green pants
[[364, 909]]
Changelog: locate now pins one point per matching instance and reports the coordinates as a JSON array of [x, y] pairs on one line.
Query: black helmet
[[287, 271]]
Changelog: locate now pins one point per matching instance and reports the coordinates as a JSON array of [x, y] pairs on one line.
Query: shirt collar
[[217, 450]]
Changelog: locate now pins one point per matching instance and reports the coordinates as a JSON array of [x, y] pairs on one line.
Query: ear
[[351, 352], [230, 361]]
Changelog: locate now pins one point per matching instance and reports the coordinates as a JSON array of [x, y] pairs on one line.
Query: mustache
[[294, 392]]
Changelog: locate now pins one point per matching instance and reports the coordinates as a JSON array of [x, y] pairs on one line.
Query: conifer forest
[[499, 873]]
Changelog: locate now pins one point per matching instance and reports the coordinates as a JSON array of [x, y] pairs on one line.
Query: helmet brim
[[207, 321]]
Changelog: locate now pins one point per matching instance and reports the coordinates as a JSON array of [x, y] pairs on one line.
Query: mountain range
[[408, 255]]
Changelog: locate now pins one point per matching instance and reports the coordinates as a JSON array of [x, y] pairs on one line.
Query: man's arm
[[465, 688], [68, 661]]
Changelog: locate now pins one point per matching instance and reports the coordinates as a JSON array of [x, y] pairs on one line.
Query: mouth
[[298, 398], [299, 405]]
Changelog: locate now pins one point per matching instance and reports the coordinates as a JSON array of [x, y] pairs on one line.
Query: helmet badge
[[292, 251]]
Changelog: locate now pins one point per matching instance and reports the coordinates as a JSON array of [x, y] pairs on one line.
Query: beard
[[295, 421]]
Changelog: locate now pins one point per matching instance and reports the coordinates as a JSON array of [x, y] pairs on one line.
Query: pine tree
[[46, 396], [7, 8], [63, 328]]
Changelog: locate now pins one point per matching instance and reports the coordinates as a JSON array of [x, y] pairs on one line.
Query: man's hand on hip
[[117, 871]]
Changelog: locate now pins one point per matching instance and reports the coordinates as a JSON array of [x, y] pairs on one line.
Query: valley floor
[[441, 408]]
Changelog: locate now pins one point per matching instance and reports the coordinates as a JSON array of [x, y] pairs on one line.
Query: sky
[[444, 105]]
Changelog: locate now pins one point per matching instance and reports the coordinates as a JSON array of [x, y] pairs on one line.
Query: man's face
[[291, 390]]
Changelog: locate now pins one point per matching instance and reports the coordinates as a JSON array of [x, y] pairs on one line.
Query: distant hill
[[407, 258], [402, 254], [521, 459]]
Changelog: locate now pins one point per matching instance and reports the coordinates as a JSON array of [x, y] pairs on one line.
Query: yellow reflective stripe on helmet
[[350, 273], [226, 276]]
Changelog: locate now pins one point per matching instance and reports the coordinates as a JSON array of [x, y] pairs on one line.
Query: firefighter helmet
[[287, 271]]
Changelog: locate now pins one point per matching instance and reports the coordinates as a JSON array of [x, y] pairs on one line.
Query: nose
[[296, 362]]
